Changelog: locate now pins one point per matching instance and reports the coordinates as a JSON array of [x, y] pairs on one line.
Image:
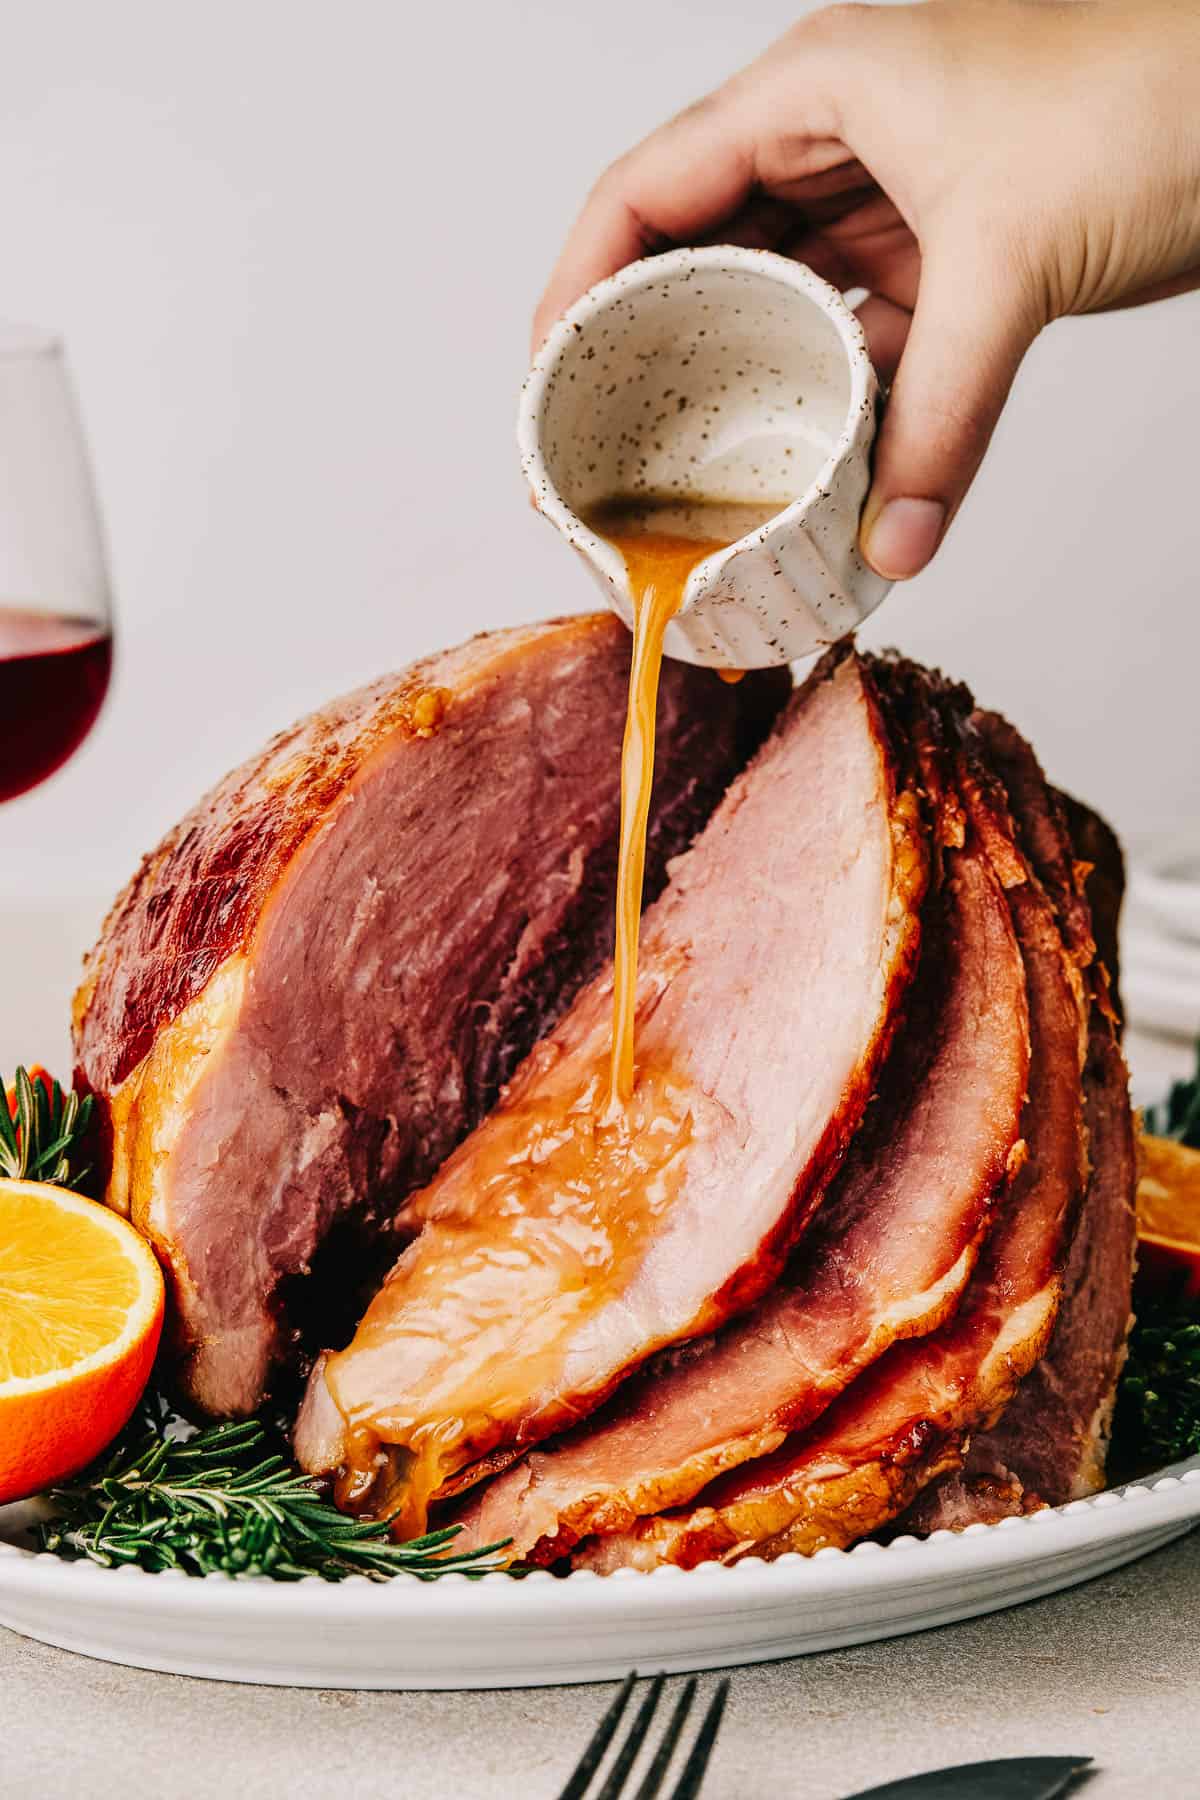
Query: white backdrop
[[293, 250]]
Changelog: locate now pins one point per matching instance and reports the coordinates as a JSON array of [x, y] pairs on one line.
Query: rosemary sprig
[[1178, 1116], [42, 1131], [224, 1500]]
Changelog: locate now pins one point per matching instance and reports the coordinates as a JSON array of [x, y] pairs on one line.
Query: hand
[[981, 169]]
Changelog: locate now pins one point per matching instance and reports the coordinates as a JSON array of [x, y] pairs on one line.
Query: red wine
[[54, 674]]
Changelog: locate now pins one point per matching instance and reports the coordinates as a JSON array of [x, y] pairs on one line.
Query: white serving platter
[[542, 1630]]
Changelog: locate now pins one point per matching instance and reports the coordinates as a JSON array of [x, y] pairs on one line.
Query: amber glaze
[[661, 540], [580, 1184], [578, 1160]]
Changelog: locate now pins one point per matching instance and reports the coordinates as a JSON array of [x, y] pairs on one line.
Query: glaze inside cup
[[721, 383]]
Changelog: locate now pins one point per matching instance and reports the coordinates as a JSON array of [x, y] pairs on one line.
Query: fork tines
[[620, 1770]]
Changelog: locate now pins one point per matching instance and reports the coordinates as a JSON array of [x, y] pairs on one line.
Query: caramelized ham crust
[[771, 971], [1050, 1444], [910, 1418], [317, 984], [886, 1258]]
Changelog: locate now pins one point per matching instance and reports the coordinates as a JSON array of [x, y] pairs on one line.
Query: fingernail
[[903, 537]]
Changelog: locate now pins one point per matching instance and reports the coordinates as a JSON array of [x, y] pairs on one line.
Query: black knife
[[1010, 1778]]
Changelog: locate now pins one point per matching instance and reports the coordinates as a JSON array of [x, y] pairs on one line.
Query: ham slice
[[1053, 1439], [909, 1419], [318, 983], [771, 973], [887, 1257]]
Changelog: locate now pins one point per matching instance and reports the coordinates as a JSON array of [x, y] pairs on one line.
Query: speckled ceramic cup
[[726, 374]]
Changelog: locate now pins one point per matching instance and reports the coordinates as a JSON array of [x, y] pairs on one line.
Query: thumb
[[970, 330]]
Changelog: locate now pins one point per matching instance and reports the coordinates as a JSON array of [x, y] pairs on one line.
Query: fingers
[[762, 224], [767, 131], [871, 241], [972, 326], [678, 184]]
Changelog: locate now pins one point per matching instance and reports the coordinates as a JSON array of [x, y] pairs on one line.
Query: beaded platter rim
[[1175, 1489]]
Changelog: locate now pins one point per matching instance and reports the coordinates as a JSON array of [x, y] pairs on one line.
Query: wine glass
[[55, 601]]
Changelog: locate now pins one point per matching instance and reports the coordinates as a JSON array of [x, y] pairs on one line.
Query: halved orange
[[81, 1309], [1168, 1217]]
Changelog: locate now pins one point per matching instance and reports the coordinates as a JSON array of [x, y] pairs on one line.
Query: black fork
[[652, 1785]]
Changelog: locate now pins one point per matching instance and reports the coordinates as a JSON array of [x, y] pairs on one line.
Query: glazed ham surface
[[909, 1419], [318, 983], [770, 975], [886, 1258], [856, 1258], [1051, 1443]]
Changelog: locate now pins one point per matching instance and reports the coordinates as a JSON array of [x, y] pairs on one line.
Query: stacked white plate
[[1160, 974]]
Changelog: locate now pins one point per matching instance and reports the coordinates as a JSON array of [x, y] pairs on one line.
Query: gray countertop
[[1111, 1669]]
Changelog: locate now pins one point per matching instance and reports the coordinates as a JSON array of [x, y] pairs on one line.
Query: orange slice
[[36, 1073], [1168, 1217], [81, 1308]]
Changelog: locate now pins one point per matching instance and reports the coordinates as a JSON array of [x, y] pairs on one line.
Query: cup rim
[[650, 271]]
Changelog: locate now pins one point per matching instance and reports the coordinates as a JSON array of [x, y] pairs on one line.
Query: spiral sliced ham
[[317, 984], [857, 1255], [910, 1418], [887, 1257], [771, 972]]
